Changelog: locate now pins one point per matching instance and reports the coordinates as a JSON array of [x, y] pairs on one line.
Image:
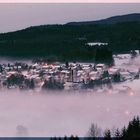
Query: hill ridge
[[110, 20]]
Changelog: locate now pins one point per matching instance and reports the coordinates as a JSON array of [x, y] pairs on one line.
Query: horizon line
[[68, 22]]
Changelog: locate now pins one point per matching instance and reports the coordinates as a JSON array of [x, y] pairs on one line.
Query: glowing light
[[127, 113], [109, 92], [131, 93], [31, 94], [108, 109]]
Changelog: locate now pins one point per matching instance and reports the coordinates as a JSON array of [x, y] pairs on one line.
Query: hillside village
[[66, 76]]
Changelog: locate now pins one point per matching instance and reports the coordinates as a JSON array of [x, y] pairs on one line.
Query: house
[[97, 44]]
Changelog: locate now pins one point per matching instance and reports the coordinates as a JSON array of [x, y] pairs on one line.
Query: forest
[[69, 42], [129, 132]]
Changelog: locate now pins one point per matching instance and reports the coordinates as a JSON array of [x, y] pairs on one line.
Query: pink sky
[[25, 15]]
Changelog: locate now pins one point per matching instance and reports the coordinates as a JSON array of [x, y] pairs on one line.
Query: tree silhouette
[[117, 134], [94, 131], [107, 135]]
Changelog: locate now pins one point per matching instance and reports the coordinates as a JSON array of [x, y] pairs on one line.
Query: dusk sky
[[18, 16]]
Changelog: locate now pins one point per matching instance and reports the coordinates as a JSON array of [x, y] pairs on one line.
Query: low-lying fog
[[57, 114], [35, 114]]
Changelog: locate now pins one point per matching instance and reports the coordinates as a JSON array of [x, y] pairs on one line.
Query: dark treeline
[[126, 133], [132, 131], [67, 42]]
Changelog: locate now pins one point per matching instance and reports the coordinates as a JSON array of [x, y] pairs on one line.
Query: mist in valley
[[60, 113]]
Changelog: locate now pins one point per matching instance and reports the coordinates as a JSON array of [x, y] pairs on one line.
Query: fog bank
[[36, 114]]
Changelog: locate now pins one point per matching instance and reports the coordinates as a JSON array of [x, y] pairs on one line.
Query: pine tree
[[32, 84], [107, 135], [94, 131], [123, 133], [117, 134]]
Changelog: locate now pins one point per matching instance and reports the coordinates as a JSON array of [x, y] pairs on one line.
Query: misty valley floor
[[31, 113]]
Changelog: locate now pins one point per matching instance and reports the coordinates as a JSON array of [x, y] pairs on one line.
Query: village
[[66, 76]]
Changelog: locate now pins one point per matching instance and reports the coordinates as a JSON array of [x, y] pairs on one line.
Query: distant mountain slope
[[111, 20], [66, 42]]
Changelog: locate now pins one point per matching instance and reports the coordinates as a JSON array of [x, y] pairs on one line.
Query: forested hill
[[67, 42], [111, 20]]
